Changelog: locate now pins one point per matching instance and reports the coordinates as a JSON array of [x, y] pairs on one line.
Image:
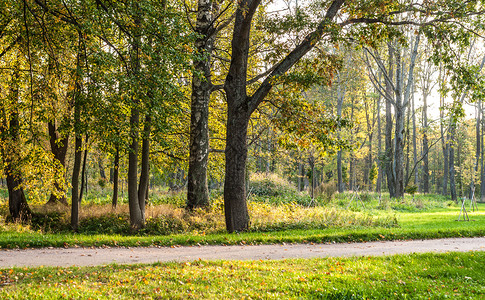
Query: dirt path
[[100, 256]]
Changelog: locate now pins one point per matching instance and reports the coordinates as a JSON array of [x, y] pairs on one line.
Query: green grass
[[436, 223], [417, 276]]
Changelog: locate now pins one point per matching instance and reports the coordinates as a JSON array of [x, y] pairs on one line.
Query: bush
[[110, 223], [326, 191], [270, 185]]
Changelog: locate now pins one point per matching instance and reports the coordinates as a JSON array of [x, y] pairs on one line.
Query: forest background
[[129, 100]]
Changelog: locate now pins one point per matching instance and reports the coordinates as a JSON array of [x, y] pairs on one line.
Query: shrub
[[326, 191], [270, 185]]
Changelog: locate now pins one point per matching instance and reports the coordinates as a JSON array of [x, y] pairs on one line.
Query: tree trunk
[[425, 145], [240, 106], [415, 145], [482, 173], [137, 218], [340, 101], [340, 180], [116, 170], [59, 150], [102, 173], [473, 191], [379, 146], [197, 189], [236, 213], [84, 179], [391, 182], [145, 165], [452, 163], [10, 146], [75, 182]]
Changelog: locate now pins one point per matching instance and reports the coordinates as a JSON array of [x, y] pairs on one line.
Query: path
[[99, 256]]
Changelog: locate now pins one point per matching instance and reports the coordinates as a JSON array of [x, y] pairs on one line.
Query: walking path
[[100, 256]]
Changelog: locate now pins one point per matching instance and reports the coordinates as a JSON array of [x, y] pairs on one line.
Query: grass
[[416, 276], [278, 213], [436, 223]]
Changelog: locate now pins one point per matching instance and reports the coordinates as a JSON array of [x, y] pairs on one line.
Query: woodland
[[214, 102]]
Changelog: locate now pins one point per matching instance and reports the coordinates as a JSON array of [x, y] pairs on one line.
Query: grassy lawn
[[432, 223], [417, 276]]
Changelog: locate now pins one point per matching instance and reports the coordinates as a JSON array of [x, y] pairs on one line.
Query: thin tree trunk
[[473, 191], [75, 180], [145, 165], [482, 173], [340, 101], [84, 178], [116, 170], [425, 145], [452, 163], [415, 146], [391, 182], [379, 145]]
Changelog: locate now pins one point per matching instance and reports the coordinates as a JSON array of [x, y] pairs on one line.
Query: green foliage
[[110, 223]]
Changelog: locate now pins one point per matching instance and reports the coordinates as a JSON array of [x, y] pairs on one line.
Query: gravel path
[[100, 256]]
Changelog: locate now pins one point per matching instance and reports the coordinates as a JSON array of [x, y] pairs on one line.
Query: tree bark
[[236, 213], [197, 189], [84, 179], [240, 106], [340, 101], [75, 183], [452, 163], [116, 170], [425, 145], [10, 146], [415, 145], [379, 145], [102, 173], [59, 149], [482, 173], [145, 165], [137, 218], [391, 182]]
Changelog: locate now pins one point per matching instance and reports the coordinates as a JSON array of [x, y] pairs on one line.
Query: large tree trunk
[[59, 149], [137, 219], [10, 151], [236, 213], [197, 189], [17, 203], [240, 106]]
